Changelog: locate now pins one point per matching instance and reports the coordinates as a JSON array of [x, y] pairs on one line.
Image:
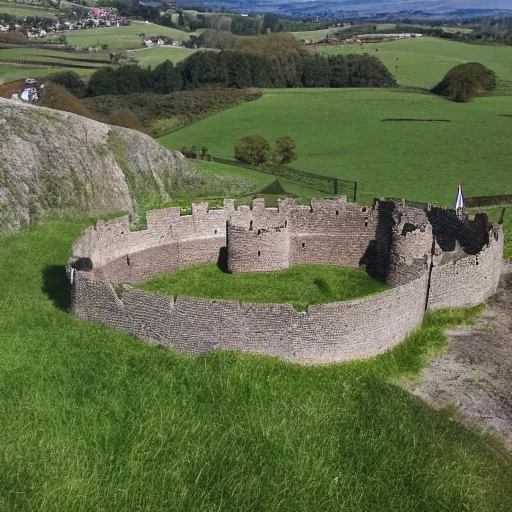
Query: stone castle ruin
[[432, 258]]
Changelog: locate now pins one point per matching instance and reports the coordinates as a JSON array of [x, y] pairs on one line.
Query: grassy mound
[[301, 285], [96, 420]]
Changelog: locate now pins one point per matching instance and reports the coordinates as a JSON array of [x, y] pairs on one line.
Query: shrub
[[102, 82], [466, 81], [285, 146], [166, 78], [127, 119], [71, 81], [252, 150]]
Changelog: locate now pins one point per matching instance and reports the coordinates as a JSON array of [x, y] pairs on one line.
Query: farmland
[[11, 73], [120, 38], [344, 134], [154, 56], [317, 35], [20, 10], [422, 62]]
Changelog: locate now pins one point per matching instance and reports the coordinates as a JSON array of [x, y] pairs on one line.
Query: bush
[[252, 150], [102, 82], [285, 147], [166, 78], [466, 81], [71, 81]]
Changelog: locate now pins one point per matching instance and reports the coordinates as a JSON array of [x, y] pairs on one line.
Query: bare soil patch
[[475, 371]]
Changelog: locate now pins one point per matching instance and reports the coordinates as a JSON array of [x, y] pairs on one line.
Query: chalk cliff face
[[55, 162]]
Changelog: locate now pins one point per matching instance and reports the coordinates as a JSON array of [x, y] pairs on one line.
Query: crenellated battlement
[[433, 259]]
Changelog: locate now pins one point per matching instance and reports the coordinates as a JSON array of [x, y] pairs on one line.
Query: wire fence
[[315, 182], [479, 201]]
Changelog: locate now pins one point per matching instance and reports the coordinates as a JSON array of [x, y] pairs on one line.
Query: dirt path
[[475, 371]]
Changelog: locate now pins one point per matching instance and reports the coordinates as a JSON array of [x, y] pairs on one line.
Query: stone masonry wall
[[469, 280], [327, 333], [394, 242]]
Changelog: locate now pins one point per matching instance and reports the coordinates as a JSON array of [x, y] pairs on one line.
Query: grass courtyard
[[96, 420], [300, 286]]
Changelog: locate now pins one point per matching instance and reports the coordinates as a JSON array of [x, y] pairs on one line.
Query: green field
[[55, 58], [300, 286], [258, 180], [317, 35], [120, 38], [11, 73], [453, 30], [341, 133], [154, 56], [94, 420], [21, 10], [422, 62]]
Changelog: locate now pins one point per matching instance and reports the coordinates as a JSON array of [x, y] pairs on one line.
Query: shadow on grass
[[56, 285]]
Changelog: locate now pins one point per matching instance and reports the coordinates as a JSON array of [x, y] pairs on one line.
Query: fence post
[[335, 187], [355, 192]]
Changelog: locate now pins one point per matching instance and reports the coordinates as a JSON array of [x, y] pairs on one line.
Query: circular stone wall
[[329, 232]]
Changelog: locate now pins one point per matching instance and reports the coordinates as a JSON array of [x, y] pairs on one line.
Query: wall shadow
[[222, 261], [377, 255], [56, 286]]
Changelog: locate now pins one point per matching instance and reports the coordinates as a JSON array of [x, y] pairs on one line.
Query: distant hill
[[325, 7]]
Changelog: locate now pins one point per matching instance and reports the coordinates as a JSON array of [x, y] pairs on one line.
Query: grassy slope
[[21, 10], [301, 285], [422, 62], [340, 133], [316, 35], [95, 420], [260, 180], [154, 56], [51, 55], [10, 73], [121, 38]]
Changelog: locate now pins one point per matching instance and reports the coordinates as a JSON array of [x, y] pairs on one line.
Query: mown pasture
[[367, 136], [14, 72], [96, 420], [120, 38], [21, 10], [423, 61], [154, 56], [317, 35]]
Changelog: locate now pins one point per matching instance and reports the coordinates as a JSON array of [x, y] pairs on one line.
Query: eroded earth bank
[[475, 371]]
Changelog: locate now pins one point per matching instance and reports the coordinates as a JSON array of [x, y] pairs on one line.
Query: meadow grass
[[36, 54], [96, 420], [423, 61], [260, 180], [317, 35], [300, 286], [20, 10], [343, 133], [12, 73], [154, 56], [120, 38]]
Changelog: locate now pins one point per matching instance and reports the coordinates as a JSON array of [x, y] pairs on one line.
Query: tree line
[[283, 70], [232, 69]]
